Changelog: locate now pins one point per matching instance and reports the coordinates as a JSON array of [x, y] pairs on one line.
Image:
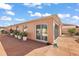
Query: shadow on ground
[[77, 40], [15, 47]]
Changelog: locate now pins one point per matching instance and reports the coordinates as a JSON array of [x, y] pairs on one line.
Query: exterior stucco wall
[[31, 27]]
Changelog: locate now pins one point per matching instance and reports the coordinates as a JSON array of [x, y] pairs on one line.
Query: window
[[41, 32], [17, 28], [25, 28], [56, 31]]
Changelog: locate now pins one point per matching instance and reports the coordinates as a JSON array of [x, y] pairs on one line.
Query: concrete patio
[[14, 47], [67, 46]]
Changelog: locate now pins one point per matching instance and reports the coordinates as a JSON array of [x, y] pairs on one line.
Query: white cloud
[[10, 13], [56, 3], [68, 16], [29, 11], [75, 17], [5, 6], [38, 14], [20, 19], [5, 18], [7, 24], [39, 7], [76, 9], [36, 5], [46, 14], [47, 4], [68, 7], [64, 15], [32, 4], [27, 4]]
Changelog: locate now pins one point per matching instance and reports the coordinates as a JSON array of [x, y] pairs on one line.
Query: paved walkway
[[15, 47], [67, 46]]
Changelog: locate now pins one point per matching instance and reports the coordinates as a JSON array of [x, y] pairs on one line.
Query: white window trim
[[47, 32]]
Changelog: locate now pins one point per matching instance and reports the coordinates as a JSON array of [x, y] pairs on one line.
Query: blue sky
[[13, 13]]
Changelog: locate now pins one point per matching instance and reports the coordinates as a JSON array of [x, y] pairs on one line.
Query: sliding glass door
[[56, 31], [41, 32]]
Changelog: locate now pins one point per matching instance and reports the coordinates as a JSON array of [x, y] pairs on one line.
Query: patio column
[[60, 30]]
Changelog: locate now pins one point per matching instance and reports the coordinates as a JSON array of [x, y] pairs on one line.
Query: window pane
[[41, 32], [38, 32], [56, 31], [44, 32]]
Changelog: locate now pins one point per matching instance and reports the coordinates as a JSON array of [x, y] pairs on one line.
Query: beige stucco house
[[45, 29]]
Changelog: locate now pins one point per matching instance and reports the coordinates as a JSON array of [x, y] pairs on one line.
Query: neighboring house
[[66, 27], [45, 29], [2, 28]]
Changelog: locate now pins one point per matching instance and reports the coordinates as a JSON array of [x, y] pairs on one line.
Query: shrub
[[19, 33], [15, 32], [3, 31], [24, 34], [55, 45], [72, 31]]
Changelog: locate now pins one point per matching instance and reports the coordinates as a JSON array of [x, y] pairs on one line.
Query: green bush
[[72, 31], [15, 32], [19, 33], [4, 32], [24, 34]]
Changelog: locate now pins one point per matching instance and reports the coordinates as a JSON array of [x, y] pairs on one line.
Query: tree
[[72, 31]]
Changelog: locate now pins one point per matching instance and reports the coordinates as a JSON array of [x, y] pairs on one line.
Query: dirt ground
[[67, 46]]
